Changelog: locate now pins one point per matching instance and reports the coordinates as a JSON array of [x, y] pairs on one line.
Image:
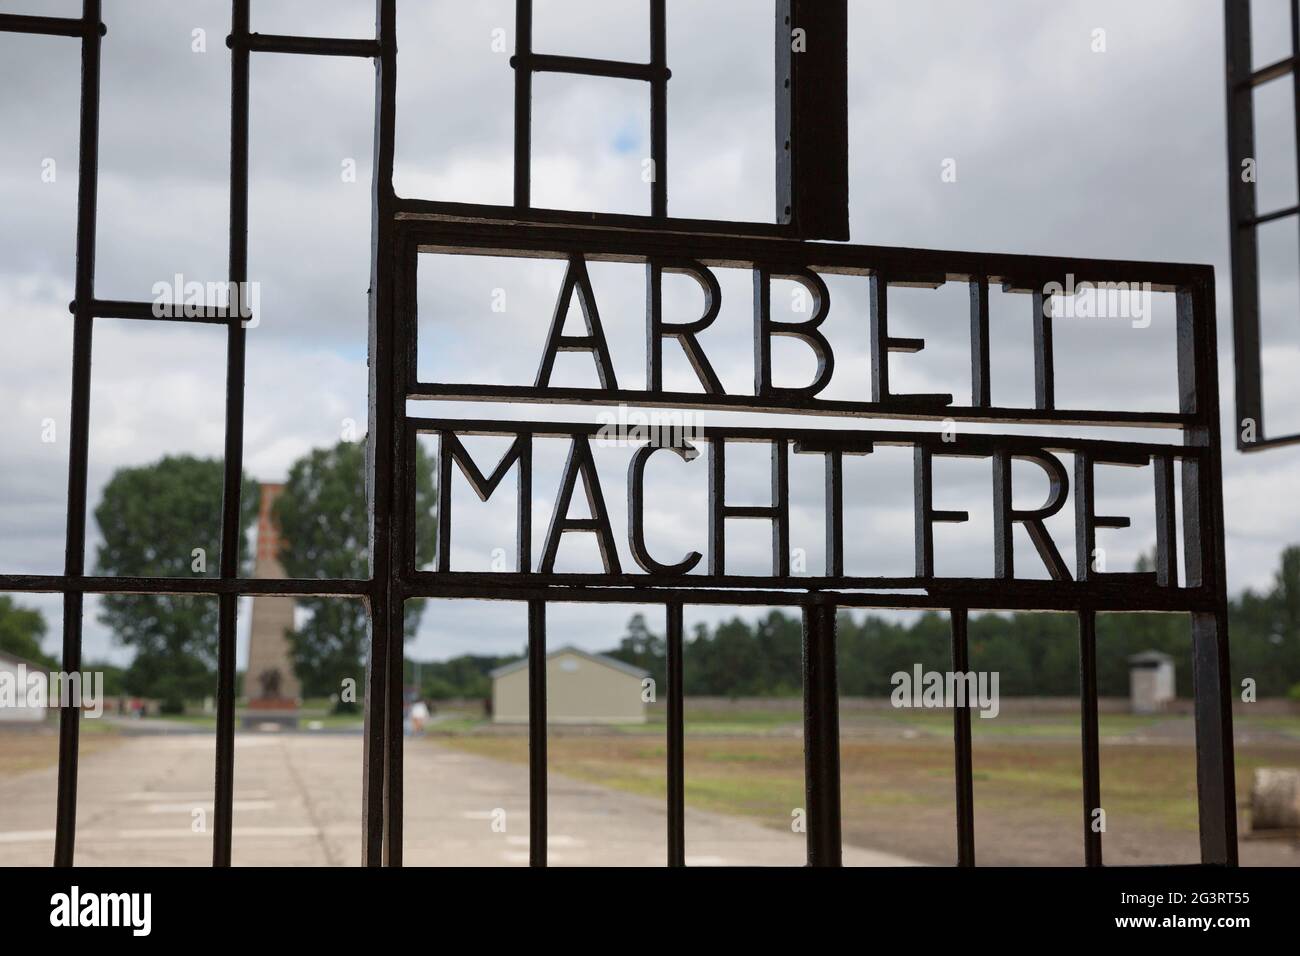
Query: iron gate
[[811, 148], [1244, 217]]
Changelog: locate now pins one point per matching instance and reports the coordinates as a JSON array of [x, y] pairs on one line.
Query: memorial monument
[[270, 685]]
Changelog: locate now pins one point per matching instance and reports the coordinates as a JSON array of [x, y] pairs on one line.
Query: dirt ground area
[[297, 795]]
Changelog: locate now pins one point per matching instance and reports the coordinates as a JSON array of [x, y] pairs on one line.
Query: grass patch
[[25, 750], [897, 788]]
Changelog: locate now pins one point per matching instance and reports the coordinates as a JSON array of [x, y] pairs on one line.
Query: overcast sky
[[1064, 141]]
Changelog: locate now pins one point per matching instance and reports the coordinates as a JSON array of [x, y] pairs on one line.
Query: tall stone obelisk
[[270, 685]]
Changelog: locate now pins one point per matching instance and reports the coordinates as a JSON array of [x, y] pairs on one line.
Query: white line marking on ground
[[186, 795], [558, 840], [515, 856], [197, 805]]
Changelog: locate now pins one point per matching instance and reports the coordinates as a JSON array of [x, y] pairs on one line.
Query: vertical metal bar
[[812, 110], [962, 757], [1091, 743], [401, 564], [1044, 359], [523, 102], [1205, 561], [785, 114], [1242, 233], [676, 742], [524, 507], [980, 379], [781, 506], [394, 740], [233, 466], [1087, 566], [717, 505], [1215, 774], [922, 510], [537, 733], [1166, 522], [1004, 541], [382, 438], [834, 487], [1295, 92], [878, 325], [396, 285], [443, 556], [821, 735], [659, 108], [762, 330], [79, 426]]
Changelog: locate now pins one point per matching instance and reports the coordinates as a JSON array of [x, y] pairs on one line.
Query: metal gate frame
[[1244, 219], [811, 147]]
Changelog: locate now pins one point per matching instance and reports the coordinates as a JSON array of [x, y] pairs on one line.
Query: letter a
[[593, 342], [581, 463]]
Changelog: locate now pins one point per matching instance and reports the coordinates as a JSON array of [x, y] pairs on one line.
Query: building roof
[[570, 649], [15, 659], [1151, 657]]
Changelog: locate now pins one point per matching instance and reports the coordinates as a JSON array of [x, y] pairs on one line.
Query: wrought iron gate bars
[[1244, 219], [815, 181]]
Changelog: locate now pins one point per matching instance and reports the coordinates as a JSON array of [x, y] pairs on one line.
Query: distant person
[[419, 716]]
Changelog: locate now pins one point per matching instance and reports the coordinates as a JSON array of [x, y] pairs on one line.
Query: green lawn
[[897, 777]]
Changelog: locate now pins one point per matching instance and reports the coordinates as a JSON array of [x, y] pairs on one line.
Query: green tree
[[1035, 654], [324, 533], [740, 660], [164, 520], [642, 648], [1264, 630], [465, 676], [21, 631]]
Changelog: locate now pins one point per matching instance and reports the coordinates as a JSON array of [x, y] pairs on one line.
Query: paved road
[[145, 800]]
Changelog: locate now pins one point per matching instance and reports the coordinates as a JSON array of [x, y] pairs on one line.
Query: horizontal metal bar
[[977, 595], [145, 311], [1263, 443], [519, 238], [293, 587], [910, 345], [1121, 595], [898, 408], [1268, 217], [972, 444], [589, 66], [49, 26], [1270, 72], [316, 46], [416, 210]]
